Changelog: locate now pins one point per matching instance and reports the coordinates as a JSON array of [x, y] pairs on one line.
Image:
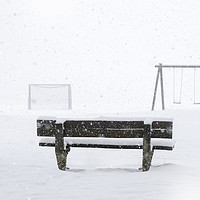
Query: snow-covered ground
[[107, 51], [29, 172]]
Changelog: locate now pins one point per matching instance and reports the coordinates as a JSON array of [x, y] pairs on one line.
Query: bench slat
[[161, 134], [102, 124], [83, 133], [137, 133], [85, 124], [105, 146], [169, 148], [124, 124], [162, 125], [46, 128], [123, 143]]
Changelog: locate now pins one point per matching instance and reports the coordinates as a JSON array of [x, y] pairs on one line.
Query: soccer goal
[[50, 97]]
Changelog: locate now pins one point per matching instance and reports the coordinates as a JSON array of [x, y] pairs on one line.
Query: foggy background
[[106, 49]]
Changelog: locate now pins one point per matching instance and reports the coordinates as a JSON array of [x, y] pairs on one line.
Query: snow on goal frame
[[50, 97], [160, 77]]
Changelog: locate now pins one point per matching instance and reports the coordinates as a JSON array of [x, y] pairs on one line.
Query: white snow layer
[[111, 141]]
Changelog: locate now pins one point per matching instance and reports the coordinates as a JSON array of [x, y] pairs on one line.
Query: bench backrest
[[102, 128]]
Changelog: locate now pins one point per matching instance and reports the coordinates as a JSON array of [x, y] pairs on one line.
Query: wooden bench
[[117, 134]]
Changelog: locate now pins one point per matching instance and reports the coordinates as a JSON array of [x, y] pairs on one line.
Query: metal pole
[[179, 66], [69, 97], [162, 89], [29, 97], [194, 87], [155, 90]]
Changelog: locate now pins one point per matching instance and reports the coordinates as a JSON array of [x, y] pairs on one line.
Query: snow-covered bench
[[105, 133]]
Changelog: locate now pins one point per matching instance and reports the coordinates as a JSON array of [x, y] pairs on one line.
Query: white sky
[[106, 49]]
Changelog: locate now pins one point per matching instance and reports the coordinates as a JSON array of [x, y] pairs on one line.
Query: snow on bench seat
[[123, 143]]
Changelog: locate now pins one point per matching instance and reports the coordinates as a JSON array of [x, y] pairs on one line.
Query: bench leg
[[60, 151], [147, 152], [62, 159]]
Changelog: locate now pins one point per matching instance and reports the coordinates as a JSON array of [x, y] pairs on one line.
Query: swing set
[[160, 77]]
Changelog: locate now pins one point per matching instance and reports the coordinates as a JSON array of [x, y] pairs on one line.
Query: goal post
[[49, 97]]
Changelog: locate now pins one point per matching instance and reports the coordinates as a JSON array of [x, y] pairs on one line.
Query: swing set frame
[[160, 77]]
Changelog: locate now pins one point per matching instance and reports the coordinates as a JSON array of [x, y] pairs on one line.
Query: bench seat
[[122, 143]]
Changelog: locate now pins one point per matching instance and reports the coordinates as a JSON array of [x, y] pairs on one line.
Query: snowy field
[[30, 172]]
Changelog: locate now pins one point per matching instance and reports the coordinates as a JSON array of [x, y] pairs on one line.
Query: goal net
[[50, 97]]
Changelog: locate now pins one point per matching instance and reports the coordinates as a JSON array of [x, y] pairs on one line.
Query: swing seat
[[176, 102]]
